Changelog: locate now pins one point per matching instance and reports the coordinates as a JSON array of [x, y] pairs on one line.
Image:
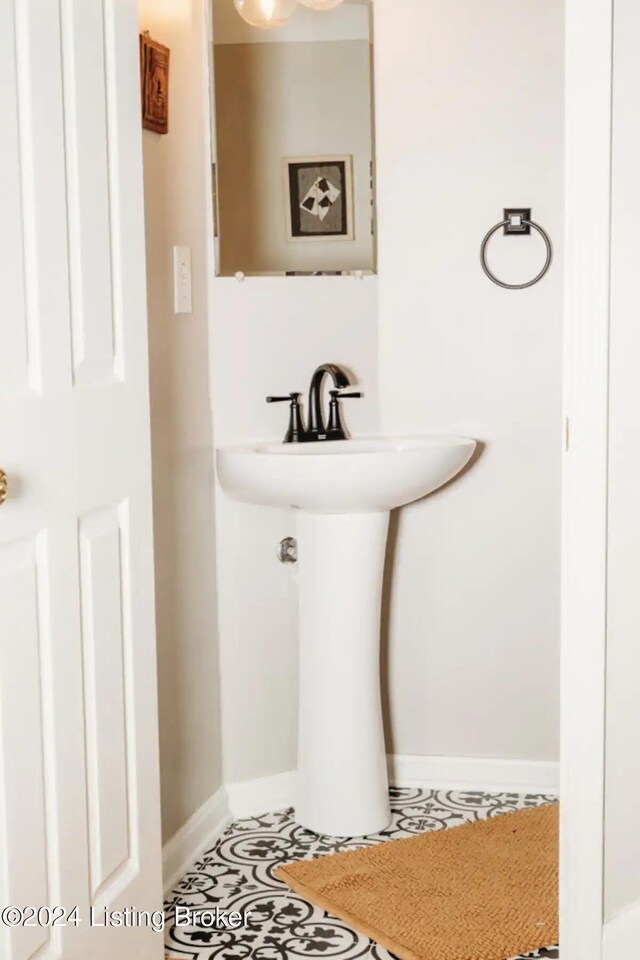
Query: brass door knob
[[3, 487]]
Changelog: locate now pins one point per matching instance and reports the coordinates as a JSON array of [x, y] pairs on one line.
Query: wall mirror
[[293, 162]]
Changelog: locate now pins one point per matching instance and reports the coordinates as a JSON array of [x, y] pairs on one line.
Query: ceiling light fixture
[[265, 14], [320, 4]]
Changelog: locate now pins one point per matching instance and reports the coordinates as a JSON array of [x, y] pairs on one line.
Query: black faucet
[[317, 430]]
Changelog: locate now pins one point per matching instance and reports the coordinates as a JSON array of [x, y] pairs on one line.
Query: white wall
[[269, 334], [177, 213], [622, 844], [276, 100], [469, 120]]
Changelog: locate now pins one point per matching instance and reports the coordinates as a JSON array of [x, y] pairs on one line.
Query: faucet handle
[[335, 429], [291, 397], [337, 394], [295, 431]]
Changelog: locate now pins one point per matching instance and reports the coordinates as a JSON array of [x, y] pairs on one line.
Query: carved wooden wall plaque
[[154, 82]]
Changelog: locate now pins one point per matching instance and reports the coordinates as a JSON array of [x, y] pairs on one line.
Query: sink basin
[[353, 476], [344, 492]]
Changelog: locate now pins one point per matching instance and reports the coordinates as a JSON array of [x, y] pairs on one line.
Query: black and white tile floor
[[237, 874]]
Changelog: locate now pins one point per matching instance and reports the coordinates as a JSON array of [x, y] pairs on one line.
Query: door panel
[[37, 91], [14, 331], [101, 590], [25, 744], [78, 725], [87, 111]]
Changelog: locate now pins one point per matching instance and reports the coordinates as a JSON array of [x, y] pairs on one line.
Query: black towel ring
[[525, 223]]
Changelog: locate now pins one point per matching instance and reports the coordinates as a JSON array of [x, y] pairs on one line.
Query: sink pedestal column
[[342, 774]]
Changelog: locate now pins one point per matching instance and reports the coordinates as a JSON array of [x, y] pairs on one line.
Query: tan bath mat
[[483, 891]]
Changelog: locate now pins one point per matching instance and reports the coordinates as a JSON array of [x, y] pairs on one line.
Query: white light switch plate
[[181, 280]]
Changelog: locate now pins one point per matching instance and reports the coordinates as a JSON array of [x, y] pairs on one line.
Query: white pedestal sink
[[343, 492]]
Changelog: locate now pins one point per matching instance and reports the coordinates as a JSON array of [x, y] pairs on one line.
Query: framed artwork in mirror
[[319, 198], [154, 84]]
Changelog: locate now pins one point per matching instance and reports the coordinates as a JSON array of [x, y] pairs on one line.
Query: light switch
[[181, 280]]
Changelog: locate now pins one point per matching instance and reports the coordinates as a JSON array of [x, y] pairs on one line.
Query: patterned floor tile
[[238, 874]]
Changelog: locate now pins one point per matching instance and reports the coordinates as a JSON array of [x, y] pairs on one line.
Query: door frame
[[588, 141]]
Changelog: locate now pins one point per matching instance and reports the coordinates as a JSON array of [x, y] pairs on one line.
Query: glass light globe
[[265, 14], [320, 4]]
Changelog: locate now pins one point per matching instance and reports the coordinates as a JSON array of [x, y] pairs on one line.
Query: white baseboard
[[198, 834], [250, 798], [621, 936], [470, 773]]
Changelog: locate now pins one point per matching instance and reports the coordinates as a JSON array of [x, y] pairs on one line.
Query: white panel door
[[79, 798]]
